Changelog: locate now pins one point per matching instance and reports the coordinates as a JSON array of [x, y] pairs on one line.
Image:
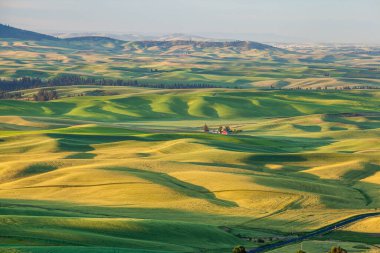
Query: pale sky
[[303, 20]]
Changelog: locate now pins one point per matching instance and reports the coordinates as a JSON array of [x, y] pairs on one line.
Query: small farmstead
[[224, 130]]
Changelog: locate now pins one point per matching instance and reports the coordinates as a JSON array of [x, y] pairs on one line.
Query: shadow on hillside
[[372, 120], [82, 143], [310, 128], [268, 144], [182, 187], [36, 168], [26, 207], [81, 156]]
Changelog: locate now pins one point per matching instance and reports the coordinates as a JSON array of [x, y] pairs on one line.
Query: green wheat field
[[129, 169]]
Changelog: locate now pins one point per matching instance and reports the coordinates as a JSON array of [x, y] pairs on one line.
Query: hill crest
[[10, 32], [16, 33]]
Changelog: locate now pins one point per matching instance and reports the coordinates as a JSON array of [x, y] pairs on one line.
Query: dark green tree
[[239, 249], [205, 128], [45, 95], [24, 83], [337, 249]]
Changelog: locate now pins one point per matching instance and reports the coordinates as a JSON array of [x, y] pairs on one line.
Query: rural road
[[320, 231]]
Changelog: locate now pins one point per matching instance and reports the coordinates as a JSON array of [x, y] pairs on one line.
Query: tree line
[[7, 95], [357, 87], [41, 95], [334, 249], [69, 80]]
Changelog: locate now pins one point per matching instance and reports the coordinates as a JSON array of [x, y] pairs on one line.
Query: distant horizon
[[207, 37], [293, 21]]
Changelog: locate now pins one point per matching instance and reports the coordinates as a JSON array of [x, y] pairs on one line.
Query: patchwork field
[[243, 64], [133, 171]]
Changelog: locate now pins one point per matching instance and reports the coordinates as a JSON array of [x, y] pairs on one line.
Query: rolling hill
[[240, 64], [15, 33], [129, 169], [163, 43], [132, 171], [138, 37]]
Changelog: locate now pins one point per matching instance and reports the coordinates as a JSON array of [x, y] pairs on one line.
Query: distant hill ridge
[[15, 33], [92, 39], [138, 37], [204, 44]]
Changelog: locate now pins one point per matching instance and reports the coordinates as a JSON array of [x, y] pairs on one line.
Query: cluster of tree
[[69, 80], [45, 95], [364, 87], [8, 95], [335, 249], [239, 249], [98, 92]]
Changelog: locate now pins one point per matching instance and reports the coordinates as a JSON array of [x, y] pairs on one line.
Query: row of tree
[[335, 249], [69, 80], [361, 87], [8, 95], [41, 95]]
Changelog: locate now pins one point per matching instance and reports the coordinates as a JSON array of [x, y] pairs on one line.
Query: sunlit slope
[[371, 225], [195, 104], [74, 172], [325, 246]]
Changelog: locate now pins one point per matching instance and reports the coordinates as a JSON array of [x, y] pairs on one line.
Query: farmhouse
[[224, 130]]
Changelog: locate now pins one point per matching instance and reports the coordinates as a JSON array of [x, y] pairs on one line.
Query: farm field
[[114, 156], [323, 246], [133, 168], [239, 64]]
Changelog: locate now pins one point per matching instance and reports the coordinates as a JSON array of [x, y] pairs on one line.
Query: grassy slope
[[131, 170], [201, 105], [224, 66], [322, 246]]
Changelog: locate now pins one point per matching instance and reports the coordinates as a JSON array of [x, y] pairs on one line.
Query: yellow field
[[370, 225], [121, 175]]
